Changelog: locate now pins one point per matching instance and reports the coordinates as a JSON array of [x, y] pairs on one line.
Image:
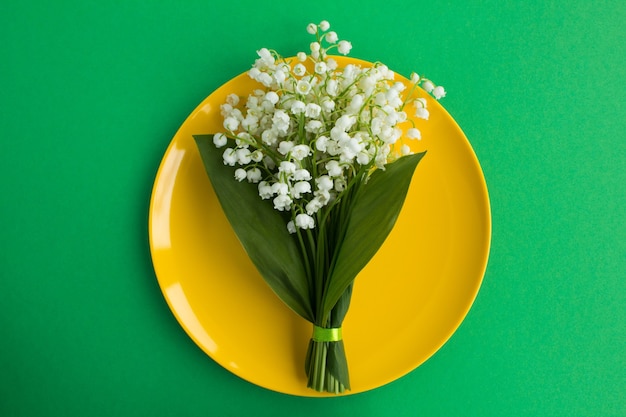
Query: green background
[[91, 93]]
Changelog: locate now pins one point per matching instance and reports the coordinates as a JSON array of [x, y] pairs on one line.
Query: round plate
[[406, 303]]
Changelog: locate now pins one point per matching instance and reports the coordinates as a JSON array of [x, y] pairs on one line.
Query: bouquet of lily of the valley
[[312, 170]]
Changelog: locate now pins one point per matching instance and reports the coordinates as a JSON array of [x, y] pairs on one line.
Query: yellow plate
[[407, 302]]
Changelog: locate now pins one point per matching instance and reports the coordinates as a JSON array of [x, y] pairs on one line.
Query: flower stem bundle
[[312, 169]]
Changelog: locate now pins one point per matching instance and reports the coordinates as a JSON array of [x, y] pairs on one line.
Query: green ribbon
[[322, 334]]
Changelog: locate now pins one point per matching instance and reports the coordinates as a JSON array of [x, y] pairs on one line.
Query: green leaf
[[373, 214], [261, 230], [337, 363]]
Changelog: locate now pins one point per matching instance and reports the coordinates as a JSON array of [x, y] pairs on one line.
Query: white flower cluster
[[313, 129]]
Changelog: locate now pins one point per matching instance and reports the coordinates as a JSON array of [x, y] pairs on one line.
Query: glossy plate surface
[[407, 302]]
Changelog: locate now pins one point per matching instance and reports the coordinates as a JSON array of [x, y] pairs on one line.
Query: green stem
[[318, 368]]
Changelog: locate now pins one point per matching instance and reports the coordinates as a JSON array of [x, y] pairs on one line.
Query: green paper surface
[[91, 93]]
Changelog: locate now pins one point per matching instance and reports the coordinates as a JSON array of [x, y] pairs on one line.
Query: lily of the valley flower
[[312, 127]]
